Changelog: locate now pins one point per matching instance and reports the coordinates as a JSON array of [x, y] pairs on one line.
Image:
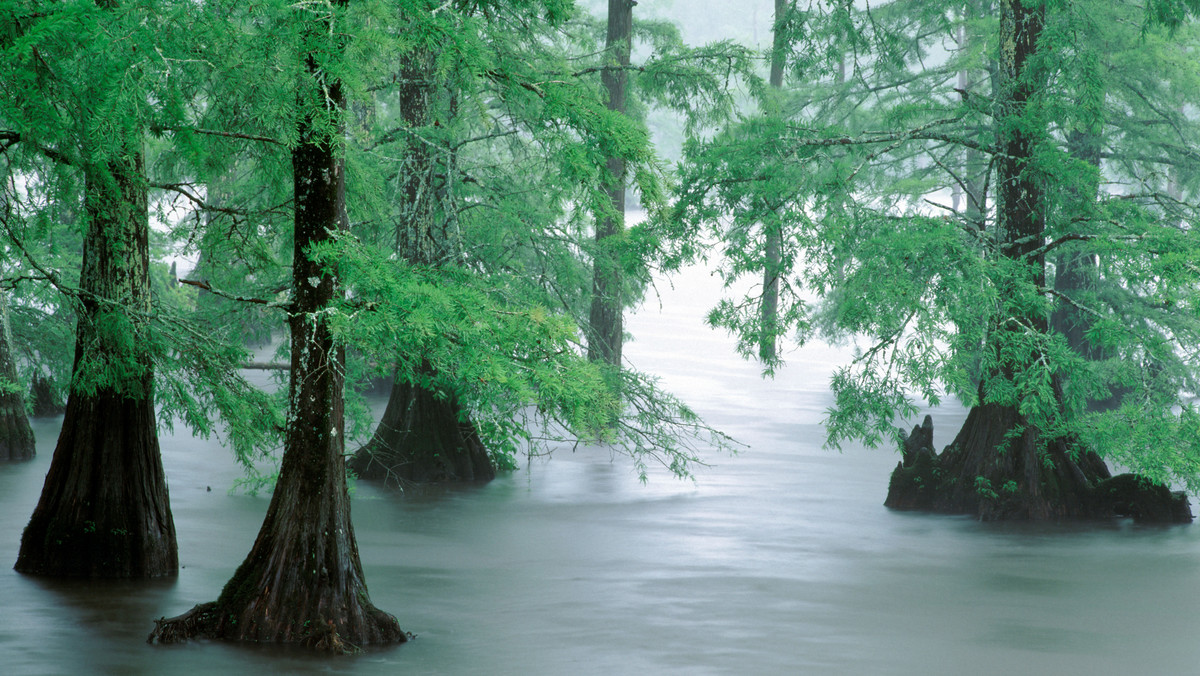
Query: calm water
[[779, 560]]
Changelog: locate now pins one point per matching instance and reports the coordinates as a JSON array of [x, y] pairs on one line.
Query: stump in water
[[998, 468], [423, 438]]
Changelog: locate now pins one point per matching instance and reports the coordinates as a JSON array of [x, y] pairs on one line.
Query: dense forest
[[456, 203]]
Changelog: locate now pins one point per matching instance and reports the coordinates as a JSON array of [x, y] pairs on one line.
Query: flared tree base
[[423, 439], [999, 469], [213, 621], [104, 511]]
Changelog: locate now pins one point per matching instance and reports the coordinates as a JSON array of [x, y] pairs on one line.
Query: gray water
[[780, 560]]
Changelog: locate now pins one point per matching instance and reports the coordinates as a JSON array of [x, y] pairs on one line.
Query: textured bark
[[104, 510], [418, 239], [1001, 466], [422, 439], [302, 581], [606, 328], [16, 436]]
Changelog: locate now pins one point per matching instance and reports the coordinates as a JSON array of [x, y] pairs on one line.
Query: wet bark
[[1001, 466], [104, 510], [606, 328], [423, 437], [302, 581]]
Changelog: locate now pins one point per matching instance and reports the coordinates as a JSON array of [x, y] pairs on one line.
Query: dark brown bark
[[606, 328], [16, 436], [302, 581], [422, 439], [104, 510], [1001, 466]]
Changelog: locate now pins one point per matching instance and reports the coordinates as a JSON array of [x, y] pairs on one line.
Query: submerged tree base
[[208, 620], [423, 438], [998, 469]]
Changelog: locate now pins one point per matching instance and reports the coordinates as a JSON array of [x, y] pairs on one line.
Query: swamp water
[[781, 560]]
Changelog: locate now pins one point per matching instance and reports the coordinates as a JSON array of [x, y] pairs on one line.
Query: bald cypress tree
[[104, 510], [302, 581]]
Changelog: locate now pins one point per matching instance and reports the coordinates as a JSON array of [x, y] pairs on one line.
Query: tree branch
[[208, 287], [223, 134]]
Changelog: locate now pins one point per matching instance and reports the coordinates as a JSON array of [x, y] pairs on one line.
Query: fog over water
[[779, 560]]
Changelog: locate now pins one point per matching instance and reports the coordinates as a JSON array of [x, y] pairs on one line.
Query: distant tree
[[503, 137], [425, 435], [16, 436], [606, 327]]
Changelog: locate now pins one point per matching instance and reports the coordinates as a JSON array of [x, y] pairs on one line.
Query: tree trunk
[[1001, 466], [104, 509], [773, 231], [16, 436], [422, 439], [302, 581], [605, 322], [43, 400]]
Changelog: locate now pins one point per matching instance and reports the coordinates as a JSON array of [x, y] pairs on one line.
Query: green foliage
[[515, 366]]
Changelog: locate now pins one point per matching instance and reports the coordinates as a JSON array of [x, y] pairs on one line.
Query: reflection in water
[[779, 560]]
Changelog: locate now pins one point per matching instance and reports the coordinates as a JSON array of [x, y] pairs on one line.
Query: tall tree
[[425, 434], [322, 602], [104, 510], [606, 327]]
